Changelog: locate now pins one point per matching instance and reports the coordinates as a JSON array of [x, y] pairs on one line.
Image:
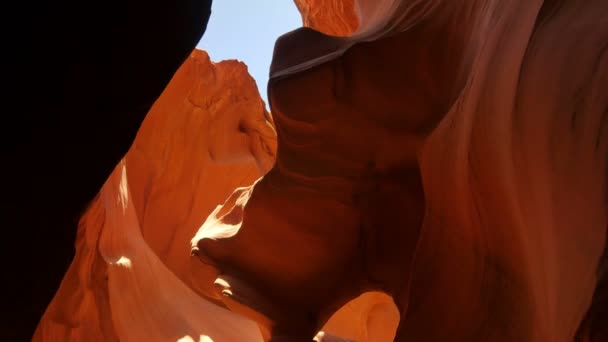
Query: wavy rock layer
[[371, 317], [132, 278], [455, 173], [332, 17], [459, 166]]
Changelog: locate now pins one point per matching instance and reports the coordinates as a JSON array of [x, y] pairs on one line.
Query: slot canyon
[[425, 170]]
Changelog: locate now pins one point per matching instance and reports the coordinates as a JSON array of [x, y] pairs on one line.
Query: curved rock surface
[[332, 17], [440, 176], [446, 156], [371, 317], [133, 278], [205, 136]]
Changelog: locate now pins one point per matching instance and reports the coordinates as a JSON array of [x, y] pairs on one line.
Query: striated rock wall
[[452, 175], [452, 161], [133, 277], [332, 17], [206, 135]]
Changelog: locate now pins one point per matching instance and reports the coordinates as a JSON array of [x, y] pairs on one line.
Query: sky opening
[[246, 30]]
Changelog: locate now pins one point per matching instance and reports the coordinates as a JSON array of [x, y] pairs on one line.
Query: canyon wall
[[133, 277], [207, 134], [422, 188], [447, 159], [332, 17]]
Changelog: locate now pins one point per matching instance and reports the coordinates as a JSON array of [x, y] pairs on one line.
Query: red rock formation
[[332, 17], [371, 317], [450, 161], [220, 140], [206, 135]]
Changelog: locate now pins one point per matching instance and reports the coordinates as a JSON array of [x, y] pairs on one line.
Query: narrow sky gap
[[246, 30]]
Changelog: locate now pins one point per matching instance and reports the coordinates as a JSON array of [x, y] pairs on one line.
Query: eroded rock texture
[[332, 17], [450, 154], [133, 278], [448, 161], [371, 317]]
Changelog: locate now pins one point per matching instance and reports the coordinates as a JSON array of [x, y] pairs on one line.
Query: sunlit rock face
[[441, 182], [371, 317], [332, 17], [207, 135], [132, 278]]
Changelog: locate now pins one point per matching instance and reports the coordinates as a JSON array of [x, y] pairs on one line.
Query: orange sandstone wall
[[206, 135], [333, 17]]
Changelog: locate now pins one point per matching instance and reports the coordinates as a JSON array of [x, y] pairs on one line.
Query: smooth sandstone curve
[[512, 163]]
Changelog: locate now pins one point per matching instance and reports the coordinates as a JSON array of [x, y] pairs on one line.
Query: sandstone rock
[[447, 159], [206, 135], [133, 278], [448, 168], [371, 317], [332, 17]]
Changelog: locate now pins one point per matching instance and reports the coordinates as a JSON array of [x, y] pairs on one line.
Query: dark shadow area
[[80, 76]]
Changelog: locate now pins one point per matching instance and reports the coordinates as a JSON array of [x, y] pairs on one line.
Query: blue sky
[[246, 30]]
